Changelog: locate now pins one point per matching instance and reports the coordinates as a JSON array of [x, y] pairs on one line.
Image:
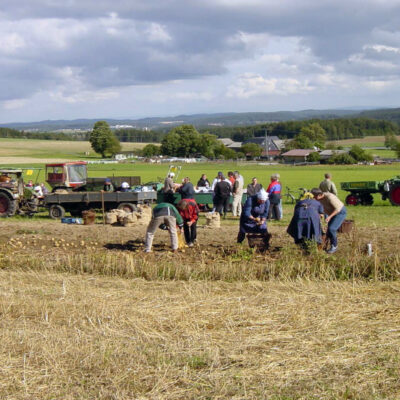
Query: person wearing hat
[[108, 186], [254, 217], [169, 188]]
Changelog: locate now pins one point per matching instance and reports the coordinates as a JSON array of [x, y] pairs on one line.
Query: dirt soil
[[53, 237]]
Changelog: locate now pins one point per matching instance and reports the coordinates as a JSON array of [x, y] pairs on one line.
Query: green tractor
[[361, 192], [14, 196]]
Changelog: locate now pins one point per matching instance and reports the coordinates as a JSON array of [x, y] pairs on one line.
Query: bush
[[360, 154], [342, 159]]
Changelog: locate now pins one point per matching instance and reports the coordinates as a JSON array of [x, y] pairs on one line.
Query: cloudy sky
[[65, 59]]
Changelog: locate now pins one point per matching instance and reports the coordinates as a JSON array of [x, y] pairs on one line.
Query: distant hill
[[199, 120], [390, 114]]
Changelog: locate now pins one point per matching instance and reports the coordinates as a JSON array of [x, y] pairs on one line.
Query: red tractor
[[68, 175]]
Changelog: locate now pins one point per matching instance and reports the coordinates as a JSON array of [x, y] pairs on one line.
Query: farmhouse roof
[[274, 143], [298, 153]]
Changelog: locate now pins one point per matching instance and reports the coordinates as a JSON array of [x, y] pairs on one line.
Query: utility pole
[[266, 144]]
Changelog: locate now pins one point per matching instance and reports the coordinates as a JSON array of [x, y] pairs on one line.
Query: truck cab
[[68, 175]]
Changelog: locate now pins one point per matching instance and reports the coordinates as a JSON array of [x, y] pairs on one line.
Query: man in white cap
[[254, 217]]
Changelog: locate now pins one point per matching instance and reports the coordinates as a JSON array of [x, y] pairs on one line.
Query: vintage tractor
[[361, 192], [14, 196], [68, 175]]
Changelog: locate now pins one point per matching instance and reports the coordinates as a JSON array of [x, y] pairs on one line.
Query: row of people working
[[223, 188], [304, 227]]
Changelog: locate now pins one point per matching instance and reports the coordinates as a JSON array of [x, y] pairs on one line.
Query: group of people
[[261, 204]]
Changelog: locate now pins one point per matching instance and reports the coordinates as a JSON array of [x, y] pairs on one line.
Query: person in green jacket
[[164, 213]]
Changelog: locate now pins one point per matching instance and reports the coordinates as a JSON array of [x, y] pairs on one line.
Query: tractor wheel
[[56, 211], [8, 206], [352, 200], [127, 207], [367, 199], [394, 195]]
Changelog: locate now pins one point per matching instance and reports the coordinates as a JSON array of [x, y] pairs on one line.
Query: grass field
[[368, 141], [15, 151]]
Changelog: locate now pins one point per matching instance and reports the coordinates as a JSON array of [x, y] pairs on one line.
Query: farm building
[[297, 155], [327, 154], [230, 144], [275, 145]]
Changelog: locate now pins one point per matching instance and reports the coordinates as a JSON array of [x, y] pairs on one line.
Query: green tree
[[182, 141], [360, 154], [251, 149], [103, 140], [397, 149], [342, 159], [314, 157], [151, 150], [391, 141]]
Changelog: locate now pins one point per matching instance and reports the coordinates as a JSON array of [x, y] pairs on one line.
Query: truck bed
[[96, 197]]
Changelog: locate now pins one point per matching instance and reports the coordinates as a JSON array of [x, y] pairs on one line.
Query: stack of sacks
[[115, 217], [129, 219], [143, 215], [213, 220], [140, 217]]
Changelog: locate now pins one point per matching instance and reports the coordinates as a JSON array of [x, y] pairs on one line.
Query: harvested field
[[82, 337], [86, 315]]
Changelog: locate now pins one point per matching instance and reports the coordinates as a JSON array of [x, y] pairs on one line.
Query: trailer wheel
[[56, 211], [352, 200], [394, 195], [367, 199], [8, 206], [127, 207]]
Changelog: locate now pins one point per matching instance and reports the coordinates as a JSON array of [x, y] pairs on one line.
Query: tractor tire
[[352, 200], [127, 207], [8, 206], [394, 195], [56, 211], [367, 199]]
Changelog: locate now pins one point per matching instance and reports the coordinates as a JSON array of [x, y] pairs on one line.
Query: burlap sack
[[121, 214], [213, 220], [129, 220], [111, 218]]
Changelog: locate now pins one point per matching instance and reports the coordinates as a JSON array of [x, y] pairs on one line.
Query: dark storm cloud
[[119, 43]]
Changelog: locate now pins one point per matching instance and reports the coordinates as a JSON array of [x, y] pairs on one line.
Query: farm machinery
[[14, 196], [74, 192], [361, 192]]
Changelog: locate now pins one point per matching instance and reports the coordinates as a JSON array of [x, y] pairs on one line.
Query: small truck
[[361, 192], [74, 192]]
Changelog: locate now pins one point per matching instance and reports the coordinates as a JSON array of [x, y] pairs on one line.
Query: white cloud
[[14, 104], [251, 85]]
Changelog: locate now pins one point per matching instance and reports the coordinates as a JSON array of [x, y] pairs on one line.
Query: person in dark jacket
[[254, 216], [222, 194], [189, 211], [186, 190], [253, 188], [305, 225], [203, 182]]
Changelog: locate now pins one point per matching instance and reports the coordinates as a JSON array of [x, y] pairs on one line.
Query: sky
[[141, 58]]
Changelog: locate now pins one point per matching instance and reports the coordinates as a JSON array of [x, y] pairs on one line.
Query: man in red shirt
[[189, 211]]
